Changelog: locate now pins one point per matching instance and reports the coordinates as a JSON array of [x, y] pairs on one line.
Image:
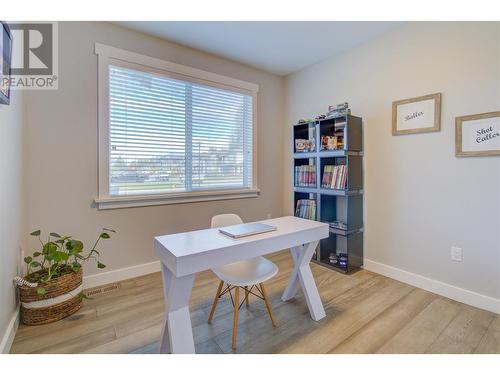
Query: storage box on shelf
[[330, 152]]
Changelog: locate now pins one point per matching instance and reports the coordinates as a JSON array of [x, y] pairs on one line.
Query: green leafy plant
[[60, 255]]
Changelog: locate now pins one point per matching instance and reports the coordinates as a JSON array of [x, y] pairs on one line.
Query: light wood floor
[[366, 313]]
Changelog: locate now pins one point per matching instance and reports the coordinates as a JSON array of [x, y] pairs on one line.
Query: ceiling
[[277, 47]]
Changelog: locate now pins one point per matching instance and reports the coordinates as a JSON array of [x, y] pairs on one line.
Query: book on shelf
[[334, 177], [305, 176], [306, 209]]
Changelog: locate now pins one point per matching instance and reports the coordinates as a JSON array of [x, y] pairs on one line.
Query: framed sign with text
[[478, 135], [417, 115]]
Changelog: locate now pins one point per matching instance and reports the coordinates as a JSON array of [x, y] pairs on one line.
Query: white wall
[[11, 129], [420, 199], [61, 149]]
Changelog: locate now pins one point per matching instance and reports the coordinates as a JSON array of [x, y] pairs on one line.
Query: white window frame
[[106, 56]]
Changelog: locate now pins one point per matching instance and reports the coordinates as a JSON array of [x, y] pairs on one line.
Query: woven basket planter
[[60, 300]]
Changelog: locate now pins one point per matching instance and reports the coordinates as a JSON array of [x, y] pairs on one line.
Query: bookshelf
[[332, 146]]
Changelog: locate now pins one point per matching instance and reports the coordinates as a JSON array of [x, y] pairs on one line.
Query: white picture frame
[[417, 115], [478, 135]]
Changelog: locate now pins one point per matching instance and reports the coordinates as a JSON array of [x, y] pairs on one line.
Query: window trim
[[107, 55]]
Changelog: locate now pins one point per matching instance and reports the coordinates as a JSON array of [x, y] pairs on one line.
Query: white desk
[[184, 254]]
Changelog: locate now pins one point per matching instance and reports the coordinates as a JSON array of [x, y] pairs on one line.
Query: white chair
[[247, 274]]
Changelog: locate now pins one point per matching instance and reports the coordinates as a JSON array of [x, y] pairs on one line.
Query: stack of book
[[338, 110], [334, 177], [338, 225], [306, 209], [305, 175]]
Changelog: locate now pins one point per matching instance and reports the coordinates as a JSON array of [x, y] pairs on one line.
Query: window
[[172, 134]]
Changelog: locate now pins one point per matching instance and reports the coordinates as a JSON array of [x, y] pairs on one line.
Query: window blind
[[168, 135]]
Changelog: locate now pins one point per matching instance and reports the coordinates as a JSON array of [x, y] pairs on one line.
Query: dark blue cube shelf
[[333, 147]]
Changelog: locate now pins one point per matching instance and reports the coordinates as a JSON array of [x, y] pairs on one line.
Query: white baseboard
[[103, 278], [10, 333], [446, 290]]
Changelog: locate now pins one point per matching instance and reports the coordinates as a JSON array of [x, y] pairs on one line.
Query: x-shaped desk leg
[[302, 274]]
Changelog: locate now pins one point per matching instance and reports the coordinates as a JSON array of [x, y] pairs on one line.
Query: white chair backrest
[[225, 220]]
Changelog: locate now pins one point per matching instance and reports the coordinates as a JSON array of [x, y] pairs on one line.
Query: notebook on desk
[[243, 230]]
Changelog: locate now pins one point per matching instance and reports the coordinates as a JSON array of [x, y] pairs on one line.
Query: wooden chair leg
[[216, 299], [235, 319], [247, 296], [268, 305]]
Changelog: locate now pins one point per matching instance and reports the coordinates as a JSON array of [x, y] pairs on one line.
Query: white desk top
[[199, 241], [194, 251]]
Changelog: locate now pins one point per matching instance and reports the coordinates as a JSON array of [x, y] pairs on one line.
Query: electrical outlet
[[456, 253], [268, 216]]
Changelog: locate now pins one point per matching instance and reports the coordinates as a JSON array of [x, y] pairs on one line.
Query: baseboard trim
[[446, 290], [109, 277], [10, 333]]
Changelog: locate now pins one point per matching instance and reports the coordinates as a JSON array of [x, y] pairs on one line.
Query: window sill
[[107, 203]]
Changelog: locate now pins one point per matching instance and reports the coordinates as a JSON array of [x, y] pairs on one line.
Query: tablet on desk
[[243, 230]]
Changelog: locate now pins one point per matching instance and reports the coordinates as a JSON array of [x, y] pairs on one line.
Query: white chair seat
[[247, 272]]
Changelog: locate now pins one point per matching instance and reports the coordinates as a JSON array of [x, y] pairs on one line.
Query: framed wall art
[[417, 115], [5, 58], [478, 135]]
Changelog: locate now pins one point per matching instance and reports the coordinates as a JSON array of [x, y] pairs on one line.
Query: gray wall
[[420, 199], [61, 149]]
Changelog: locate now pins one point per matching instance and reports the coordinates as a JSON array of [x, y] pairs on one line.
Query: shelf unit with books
[[330, 152]]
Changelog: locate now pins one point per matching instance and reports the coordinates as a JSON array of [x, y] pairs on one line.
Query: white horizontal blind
[[168, 135], [221, 138]]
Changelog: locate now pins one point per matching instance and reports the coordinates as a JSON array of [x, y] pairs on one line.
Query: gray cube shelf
[[335, 204]]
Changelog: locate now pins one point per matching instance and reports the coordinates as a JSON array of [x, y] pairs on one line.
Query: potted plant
[[52, 287]]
